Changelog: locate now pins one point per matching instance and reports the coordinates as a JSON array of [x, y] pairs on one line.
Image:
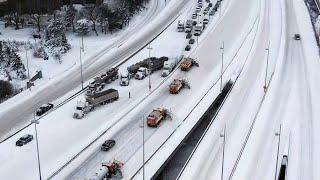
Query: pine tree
[[56, 36]]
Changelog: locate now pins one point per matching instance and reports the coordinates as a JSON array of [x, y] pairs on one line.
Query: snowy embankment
[[28, 101], [311, 53]]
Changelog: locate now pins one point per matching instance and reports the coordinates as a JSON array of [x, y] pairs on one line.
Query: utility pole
[[265, 87], [82, 42], [27, 62], [143, 149], [37, 143], [149, 48], [224, 144], [81, 69], [222, 54], [279, 138]]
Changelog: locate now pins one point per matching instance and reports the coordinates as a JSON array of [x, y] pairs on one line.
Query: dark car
[[43, 109], [24, 140], [297, 37], [191, 41], [108, 144], [210, 5], [212, 13], [188, 47], [189, 35]]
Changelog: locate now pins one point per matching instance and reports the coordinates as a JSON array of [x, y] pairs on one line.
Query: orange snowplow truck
[[187, 63], [155, 117], [177, 85]]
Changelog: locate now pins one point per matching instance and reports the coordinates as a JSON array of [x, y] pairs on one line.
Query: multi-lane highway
[[275, 82]]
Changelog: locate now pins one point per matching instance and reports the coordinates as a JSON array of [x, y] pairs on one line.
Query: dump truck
[[151, 63], [99, 82], [177, 85], [109, 170], [187, 63], [154, 64], [133, 69], [156, 116], [93, 100], [169, 65], [108, 77]]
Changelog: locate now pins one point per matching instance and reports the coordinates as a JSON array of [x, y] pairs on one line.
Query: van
[[180, 26], [198, 29]]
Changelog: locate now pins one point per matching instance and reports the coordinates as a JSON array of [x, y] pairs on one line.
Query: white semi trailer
[[93, 100], [169, 65]]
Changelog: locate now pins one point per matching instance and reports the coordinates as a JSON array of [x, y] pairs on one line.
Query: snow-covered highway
[[253, 39], [253, 118], [15, 111]]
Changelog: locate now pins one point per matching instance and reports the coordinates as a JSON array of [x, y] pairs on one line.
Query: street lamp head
[[35, 121]]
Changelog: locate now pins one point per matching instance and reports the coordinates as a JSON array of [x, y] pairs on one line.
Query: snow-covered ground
[[251, 141], [93, 45], [59, 84]]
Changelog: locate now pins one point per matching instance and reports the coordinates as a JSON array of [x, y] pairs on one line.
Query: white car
[[194, 16], [205, 21]]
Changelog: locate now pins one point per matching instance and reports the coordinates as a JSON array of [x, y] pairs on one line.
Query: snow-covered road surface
[[253, 122], [28, 101]]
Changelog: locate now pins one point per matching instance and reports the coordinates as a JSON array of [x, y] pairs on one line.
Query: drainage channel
[[171, 169]]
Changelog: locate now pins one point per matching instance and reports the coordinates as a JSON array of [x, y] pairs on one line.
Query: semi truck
[[177, 85], [151, 63], [156, 116], [154, 64], [125, 79], [93, 100], [99, 82], [187, 63], [142, 73], [169, 65]]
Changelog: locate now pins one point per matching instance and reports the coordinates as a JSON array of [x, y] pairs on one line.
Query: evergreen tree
[[56, 36]]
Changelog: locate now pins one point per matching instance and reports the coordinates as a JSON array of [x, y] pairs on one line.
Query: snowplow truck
[[110, 170], [177, 85], [93, 100], [156, 116], [187, 63]]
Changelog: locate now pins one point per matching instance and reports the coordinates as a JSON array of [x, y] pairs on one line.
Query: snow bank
[[311, 52]]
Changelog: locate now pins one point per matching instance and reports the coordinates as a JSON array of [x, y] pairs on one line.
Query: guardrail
[[103, 133], [317, 5], [82, 90]]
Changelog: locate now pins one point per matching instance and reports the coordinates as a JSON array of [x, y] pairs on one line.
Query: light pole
[[279, 138], [27, 61], [37, 143], [149, 48], [82, 42], [81, 69], [265, 87], [222, 54], [224, 144]]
